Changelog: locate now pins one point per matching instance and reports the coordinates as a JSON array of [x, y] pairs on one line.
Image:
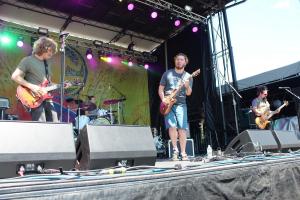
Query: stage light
[[130, 6], [89, 54], [5, 40], [188, 8], [20, 42], [195, 29], [43, 31], [107, 59], [130, 63], [97, 43], [154, 15], [177, 22], [146, 66]]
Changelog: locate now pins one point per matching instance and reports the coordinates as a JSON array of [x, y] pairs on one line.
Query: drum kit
[[88, 113]]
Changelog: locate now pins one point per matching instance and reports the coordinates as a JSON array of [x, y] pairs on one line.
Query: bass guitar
[[263, 120], [170, 100], [31, 100]]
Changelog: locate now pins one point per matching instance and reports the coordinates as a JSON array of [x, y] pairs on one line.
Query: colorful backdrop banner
[[110, 82]]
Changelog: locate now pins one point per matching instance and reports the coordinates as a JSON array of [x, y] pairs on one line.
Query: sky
[[265, 35]]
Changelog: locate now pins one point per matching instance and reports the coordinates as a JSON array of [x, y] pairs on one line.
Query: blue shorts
[[177, 118]]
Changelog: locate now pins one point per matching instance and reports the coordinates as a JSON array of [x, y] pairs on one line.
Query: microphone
[[284, 88]]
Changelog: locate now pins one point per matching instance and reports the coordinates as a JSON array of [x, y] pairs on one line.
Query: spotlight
[[130, 63], [188, 8], [177, 22], [97, 43], [89, 54], [154, 15], [5, 39], [20, 42], [146, 66], [43, 31], [195, 29], [130, 6]]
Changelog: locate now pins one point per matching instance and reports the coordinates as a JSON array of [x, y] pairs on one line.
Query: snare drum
[[100, 121], [81, 121]]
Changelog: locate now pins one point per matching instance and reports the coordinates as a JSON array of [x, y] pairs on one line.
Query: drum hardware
[[4, 104], [120, 106]]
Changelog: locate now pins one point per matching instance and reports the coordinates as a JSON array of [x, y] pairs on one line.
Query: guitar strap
[[46, 70]]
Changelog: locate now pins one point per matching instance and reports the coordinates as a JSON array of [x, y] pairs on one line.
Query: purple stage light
[[89, 56], [154, 15], [195, 29], [130, 6], [20, 43], [109, 59], [177, 22], [146, 66]]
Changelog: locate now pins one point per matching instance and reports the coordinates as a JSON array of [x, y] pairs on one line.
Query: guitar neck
[[278, 110], [52, 87], [179, 88]]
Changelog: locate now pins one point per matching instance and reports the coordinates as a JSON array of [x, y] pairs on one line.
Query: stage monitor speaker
[[252, 141], [287, 140], [27, 147], [102, 146]]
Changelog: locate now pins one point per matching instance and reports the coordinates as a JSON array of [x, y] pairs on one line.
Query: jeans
[[177, 117], [45, 112]]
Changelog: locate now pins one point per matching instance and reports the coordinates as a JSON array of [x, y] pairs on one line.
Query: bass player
[[176, 119], [32, 71], [261, 106]]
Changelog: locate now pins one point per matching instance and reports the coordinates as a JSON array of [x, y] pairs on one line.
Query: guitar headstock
[[285, 103], [196, 73]]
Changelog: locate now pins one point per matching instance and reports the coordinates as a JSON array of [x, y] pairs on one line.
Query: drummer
[[90, 107]]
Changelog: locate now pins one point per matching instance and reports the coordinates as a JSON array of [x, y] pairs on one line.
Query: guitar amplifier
[[190, 150], [4, 103]]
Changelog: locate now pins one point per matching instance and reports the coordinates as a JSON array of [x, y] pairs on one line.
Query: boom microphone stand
[[120, 103], [62, 38], [234, 102]]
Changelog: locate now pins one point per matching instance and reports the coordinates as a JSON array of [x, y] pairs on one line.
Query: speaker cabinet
[[287, 140], [251, 141], [31, 146], [101, 146]]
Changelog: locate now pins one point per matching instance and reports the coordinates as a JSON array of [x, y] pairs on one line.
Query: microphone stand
[[62, 37], [233, 100], [123, 98], [293, 94]]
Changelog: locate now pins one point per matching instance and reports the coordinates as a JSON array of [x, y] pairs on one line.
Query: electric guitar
[[170, 100], [31, 100], [263, 120]]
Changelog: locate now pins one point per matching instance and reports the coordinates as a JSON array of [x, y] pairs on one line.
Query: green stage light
[[5, 40]]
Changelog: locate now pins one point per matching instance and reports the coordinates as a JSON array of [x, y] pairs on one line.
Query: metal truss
[[174, 9], [104, 48]]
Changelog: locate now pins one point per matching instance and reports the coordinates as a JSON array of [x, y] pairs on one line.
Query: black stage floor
[[275, 176]]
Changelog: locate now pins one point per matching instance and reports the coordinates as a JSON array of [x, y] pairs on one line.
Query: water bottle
[[209, 152]]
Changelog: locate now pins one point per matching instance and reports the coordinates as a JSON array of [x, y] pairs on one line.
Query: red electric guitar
[[31, 100]]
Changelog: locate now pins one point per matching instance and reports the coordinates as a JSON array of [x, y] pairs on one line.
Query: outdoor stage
[[251, 177]]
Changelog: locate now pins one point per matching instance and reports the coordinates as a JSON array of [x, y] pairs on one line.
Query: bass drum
[[100, 121]]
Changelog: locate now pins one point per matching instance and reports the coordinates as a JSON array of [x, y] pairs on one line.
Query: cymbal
[[88, 106], [113, 101]]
